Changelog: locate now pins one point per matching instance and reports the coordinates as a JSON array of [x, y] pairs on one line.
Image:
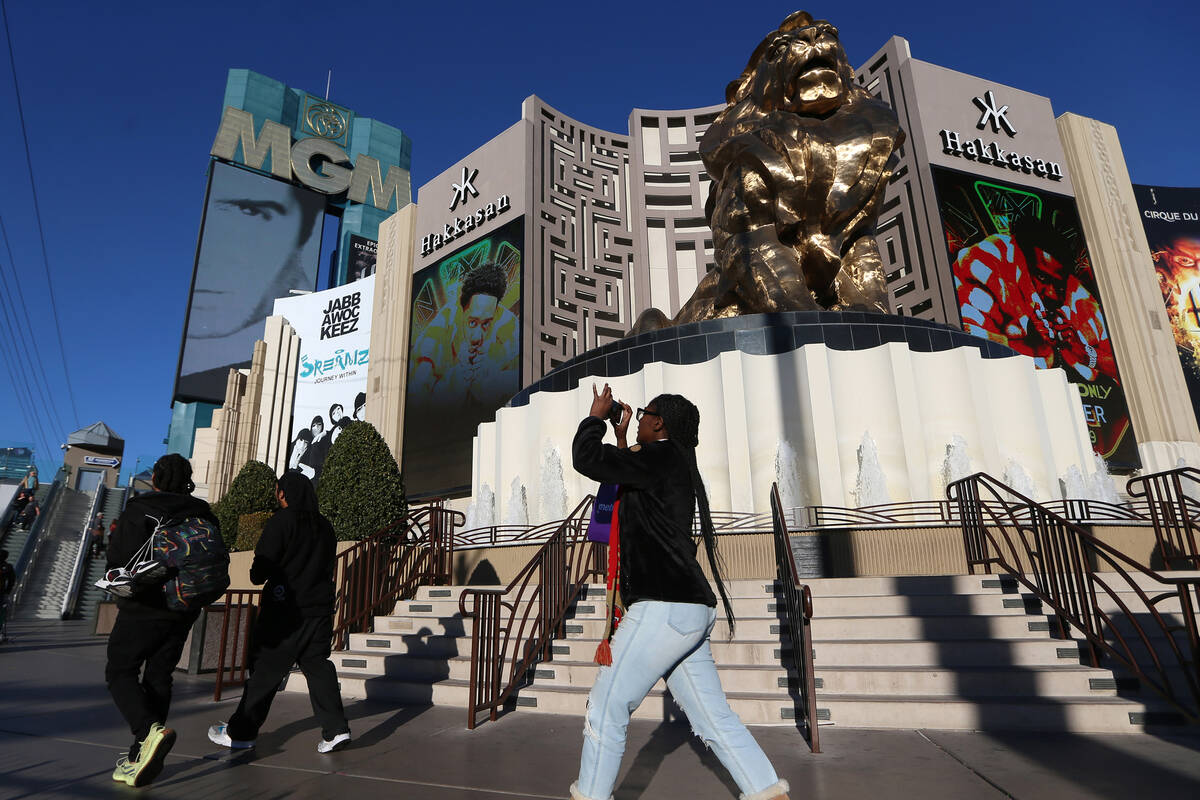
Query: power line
[[37, 210], [13, 281], [24, 400]]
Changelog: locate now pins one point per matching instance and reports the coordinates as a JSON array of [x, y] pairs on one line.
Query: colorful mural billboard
[[1023, 278], [464, 357]]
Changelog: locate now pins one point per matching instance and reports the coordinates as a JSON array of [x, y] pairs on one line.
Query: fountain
[[1101, 486], [517, 510], [957, 463], [1016, 477], [552, 489], [787, 477], [871, 487], [481, 513], [1073, 485]]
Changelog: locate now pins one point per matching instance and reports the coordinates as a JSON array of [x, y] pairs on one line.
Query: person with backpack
[[295, 559], [151, 627]]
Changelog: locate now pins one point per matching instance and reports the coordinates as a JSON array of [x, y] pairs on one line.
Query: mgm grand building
[[522, 269]]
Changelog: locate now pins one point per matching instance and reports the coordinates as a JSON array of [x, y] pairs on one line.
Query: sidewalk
[[60, 735]]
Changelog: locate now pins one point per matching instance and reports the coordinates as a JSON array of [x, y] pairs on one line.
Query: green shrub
[[250, 528], [252, 490], [360, 490]]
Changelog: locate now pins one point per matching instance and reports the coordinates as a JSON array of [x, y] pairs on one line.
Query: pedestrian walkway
[[60, 735]]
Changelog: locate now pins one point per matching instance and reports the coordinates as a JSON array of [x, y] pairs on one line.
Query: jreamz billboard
[[260, 238], [331, 382], [1171, 218], [1024, 279], [464, 358]]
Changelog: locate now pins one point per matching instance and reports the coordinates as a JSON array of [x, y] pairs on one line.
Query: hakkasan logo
[[459, 192], [995, 116]]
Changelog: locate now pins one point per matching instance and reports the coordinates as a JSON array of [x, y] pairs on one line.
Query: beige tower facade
[[1141, 334], [281, 360], [387, 370]]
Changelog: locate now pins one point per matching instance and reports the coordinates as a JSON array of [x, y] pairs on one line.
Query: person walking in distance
[[148, 636], [8, 580], [295, 559], [661, 607]]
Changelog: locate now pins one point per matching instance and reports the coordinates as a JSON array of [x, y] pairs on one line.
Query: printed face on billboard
[[1024, 279], [334, 327], [465, 357], [1171, 218], [261, 238]]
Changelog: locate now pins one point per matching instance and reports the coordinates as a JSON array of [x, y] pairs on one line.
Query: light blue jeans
[[656, 639]]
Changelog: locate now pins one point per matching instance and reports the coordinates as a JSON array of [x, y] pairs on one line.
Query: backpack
[[197, 562]]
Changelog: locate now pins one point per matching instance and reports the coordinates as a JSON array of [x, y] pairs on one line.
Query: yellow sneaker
[[152, 754], [124, 772]]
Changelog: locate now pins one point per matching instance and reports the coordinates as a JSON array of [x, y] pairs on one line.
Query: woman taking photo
[[661, 607]]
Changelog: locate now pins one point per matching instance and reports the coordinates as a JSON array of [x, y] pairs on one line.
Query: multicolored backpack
[[198, 563]]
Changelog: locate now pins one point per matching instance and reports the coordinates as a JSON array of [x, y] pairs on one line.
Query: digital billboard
[[1171, 218], [464, 358], [363, 253], [259, 239], [1023, 278], [334, 327]]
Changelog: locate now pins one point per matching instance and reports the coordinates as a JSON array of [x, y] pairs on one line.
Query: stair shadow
[[1103, 764], [673, 732]]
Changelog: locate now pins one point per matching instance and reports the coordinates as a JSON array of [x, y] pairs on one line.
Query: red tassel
[[604, 654]]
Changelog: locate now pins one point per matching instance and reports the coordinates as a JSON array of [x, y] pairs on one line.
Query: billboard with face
[[465, 357], [1171, 218], [1024, 279], [334, 327], [260, 238]]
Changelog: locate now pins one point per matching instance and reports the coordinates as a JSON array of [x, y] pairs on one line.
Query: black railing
[[1095, 590], [798, 600], [514, 627], [1171, 505]]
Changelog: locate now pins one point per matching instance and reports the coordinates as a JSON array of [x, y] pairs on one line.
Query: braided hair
[[173, 473], [681, 418]]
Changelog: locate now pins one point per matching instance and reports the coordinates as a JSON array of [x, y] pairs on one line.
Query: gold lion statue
[[799, 159]]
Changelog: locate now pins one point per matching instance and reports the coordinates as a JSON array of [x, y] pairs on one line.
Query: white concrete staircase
[[950, 652]]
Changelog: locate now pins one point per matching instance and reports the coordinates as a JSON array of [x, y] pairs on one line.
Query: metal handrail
[[534, 608], [85, 543], [1174, 512], [34, 541], [943, 513], [798, 602], [370, 577], [388, 566], [724, 522], [233, 657], [1060, 563]]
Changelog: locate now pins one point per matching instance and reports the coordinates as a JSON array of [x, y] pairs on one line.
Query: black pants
[[279, 642], [142, 654]]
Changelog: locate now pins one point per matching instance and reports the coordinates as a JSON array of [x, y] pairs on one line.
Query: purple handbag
[[600, 525]]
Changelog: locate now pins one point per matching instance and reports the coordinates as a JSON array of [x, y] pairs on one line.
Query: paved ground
[[60, 734]]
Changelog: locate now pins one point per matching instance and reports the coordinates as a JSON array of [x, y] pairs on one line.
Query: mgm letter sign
[[317, 163]]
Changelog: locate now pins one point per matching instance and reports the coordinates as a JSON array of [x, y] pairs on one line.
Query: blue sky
[[121, 105]]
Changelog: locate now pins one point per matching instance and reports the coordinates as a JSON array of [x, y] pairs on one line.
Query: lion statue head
[[801, 67]]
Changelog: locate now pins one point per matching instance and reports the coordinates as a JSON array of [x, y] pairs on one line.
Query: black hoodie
[[295, 555], [134, 527]]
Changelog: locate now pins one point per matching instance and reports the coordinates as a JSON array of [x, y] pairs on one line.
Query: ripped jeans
[[657, 639]]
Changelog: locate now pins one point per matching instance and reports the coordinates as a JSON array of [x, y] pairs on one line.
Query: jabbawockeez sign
[[316, 162], [331, 382]]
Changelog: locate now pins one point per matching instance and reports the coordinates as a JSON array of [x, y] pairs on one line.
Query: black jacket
[[295, 559], [658, 552], [134, 527]]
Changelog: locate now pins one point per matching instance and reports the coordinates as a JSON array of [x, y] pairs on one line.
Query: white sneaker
[[217, 734], [336, 743]]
